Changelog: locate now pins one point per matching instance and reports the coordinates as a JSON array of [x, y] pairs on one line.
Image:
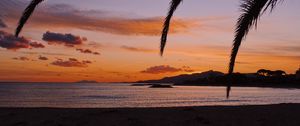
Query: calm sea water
[[105, 95]]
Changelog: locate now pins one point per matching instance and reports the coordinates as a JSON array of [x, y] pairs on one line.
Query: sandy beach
[[258, 115]]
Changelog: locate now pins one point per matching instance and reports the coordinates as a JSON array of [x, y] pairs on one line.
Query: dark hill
[[186, 77]]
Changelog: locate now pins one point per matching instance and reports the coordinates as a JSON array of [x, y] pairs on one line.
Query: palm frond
[[251, 11], [173, 6], [26, 14]]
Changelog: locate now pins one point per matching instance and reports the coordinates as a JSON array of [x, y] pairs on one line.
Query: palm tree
[[298, 74], [251, 11], [173, 6], [262, 72], [26, 14]]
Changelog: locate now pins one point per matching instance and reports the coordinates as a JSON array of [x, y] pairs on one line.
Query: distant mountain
[[86, 81], [186, 77]]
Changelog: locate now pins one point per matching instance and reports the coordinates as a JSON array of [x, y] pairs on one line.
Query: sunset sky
[[118, 40]]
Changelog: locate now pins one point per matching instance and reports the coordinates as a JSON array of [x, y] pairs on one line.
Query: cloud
[[9, 41], [166, 69], [96, 53], [71, 62], [65, 39], [22, 58], [2, 24], [45, 53], [88, 51], [187, 69], [161, 69], [36, 45], [237, 62], [66, 16], [43, 58], [134, 49]]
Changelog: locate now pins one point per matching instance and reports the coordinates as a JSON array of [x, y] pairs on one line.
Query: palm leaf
[[173, 6], [251, 11], [26, 14]]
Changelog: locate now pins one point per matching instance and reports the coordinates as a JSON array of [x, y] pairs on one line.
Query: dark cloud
[[2, 24], [166, 69], [73, 59], [243, 62], [36, 45], [43, 58], [22, 58], [134, 49], [96, 53], [84, 50], [71, 62], [88, 51], [65, 39], [161, 69], [9, 41], [87, 62], [45, 53]]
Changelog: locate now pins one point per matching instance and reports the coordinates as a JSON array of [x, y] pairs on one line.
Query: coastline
[[256, 85], [250, 86], [250, 115]]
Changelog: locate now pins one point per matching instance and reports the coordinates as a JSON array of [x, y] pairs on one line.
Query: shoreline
[[250, 86], [248, 115]]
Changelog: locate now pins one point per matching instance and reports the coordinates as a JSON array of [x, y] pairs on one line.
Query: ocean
[[120, 95]]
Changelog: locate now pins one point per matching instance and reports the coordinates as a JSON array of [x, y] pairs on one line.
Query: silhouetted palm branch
[[251, 11], [26, 14], [173, 6]]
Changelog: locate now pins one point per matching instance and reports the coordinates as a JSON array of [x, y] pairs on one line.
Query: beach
[[254, 115]]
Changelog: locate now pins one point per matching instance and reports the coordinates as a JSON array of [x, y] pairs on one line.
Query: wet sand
[[258, 115]]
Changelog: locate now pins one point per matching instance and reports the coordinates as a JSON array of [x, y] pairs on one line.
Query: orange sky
[[117, 42]]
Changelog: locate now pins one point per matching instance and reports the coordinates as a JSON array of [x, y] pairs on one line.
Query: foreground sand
[[265, 115]]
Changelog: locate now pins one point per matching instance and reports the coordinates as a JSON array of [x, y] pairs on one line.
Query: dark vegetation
[[262, 78]]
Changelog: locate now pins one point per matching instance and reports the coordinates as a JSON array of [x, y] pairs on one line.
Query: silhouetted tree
[[262, 72], [270, 73], [298, 74], [279, 73], [251, 11]]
